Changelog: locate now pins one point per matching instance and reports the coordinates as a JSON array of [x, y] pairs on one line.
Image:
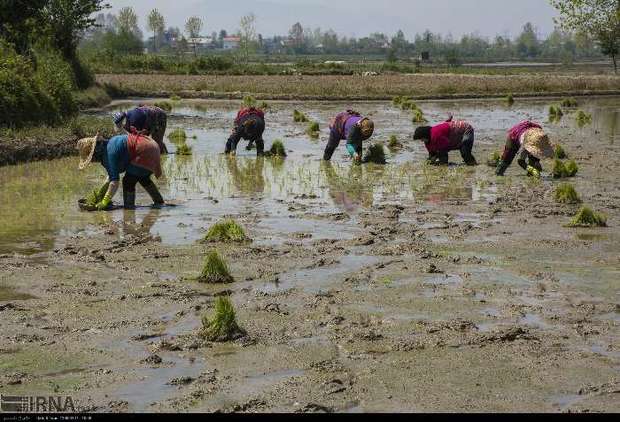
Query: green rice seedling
[[184, 149], [277, 148], [92, 198], [588, 218], [494, 159], [223, 325], [313, 129], [175, 97], [407, 104], [510, 100], [227, 230], [418, 116], [559, 169], [164, 105], [264, 105], [571, 168], [299, 117], [583, 118], [215, 270], [375, 154], [555, 113], [177, 135], [394, 143], [397, 100], [569, 102], [248, 101], [565, 193], [559, 152]]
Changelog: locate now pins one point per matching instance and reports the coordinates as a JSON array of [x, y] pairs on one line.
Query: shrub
[[375, 154], [215, 270], [277, 148], [565, 193], [588, 218], [177, 135], [225, 231], [223, 325]]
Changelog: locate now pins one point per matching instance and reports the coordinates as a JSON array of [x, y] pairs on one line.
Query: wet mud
[[365, 288]]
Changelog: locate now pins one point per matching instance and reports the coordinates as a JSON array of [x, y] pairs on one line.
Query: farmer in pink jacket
[[445, 137]]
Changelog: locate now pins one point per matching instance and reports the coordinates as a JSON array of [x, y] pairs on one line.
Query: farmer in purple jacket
[[349, 125]]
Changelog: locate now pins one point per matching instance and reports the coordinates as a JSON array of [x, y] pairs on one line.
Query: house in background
[[201, 44], [231, 43]]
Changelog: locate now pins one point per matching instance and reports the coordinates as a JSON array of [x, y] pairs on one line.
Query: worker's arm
[[355, 140]]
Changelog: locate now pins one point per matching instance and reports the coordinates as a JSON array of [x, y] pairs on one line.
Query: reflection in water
[[247, 175]]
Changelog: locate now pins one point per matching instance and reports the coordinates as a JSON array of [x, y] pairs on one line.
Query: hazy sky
[[356, 18]]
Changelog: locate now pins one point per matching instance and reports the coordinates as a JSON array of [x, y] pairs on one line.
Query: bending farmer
[[447, 136], [349, 125], [536, 146], [249, 125], [147, 120], [135, 155]]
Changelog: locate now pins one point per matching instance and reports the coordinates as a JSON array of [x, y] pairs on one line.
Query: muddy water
[[371, 288], [37, 200]]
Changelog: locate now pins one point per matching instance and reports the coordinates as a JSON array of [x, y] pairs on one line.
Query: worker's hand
[[357, 158], [104, 204], [533, 172]]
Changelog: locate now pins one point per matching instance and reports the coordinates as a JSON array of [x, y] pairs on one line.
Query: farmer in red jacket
[[249, 125], [447, 136]]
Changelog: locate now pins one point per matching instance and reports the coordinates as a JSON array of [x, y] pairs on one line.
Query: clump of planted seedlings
[[559, 152], [215, 270], [493, 159], [277, 149], [299, 117], [586, 217], [175, 97], [222, 326], [583, 118], [227, 230], [394, 143], [561, 170], [418, 116], [375, 154], [184, 149], [313, 129], [565, 193], [164, 105], [569, 102], [177, 135], [510, 100], [555, 113]]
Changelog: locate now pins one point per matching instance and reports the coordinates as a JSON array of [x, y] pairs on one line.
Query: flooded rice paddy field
[[365, 288]]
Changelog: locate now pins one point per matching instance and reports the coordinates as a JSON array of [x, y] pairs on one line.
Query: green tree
[[18, 21], [127, 20], [157, 25], [296, 36], [248, 34], [527, 43], [599, 19], [193, 26]]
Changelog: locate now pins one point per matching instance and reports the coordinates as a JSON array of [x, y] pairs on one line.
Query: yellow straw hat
[[86, 148], [368, 127], [536, 142]]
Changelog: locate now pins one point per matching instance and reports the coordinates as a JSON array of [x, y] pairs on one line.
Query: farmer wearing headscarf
[[349, 125], [153, 123], [536, 146], [136, 155], [445, 137], [249, 125]]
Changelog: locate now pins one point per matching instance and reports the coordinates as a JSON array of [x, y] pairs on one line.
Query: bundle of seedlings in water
[[396, 101], [264, 105], [248, 101], [92, 199], [559, 152], [164, 105], [418, 116], [494, 159], [555, 113], [583, 118], [184, 149], [394, 143], [588, 218], [407, 104], [510, 99], [223, 325], [175, 97], [560, 169], [277, 149], [215, 270], [375, 154], [225, 231], [565, 193], [177, 135], [313, 129], [569, 102], [299, 117]]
